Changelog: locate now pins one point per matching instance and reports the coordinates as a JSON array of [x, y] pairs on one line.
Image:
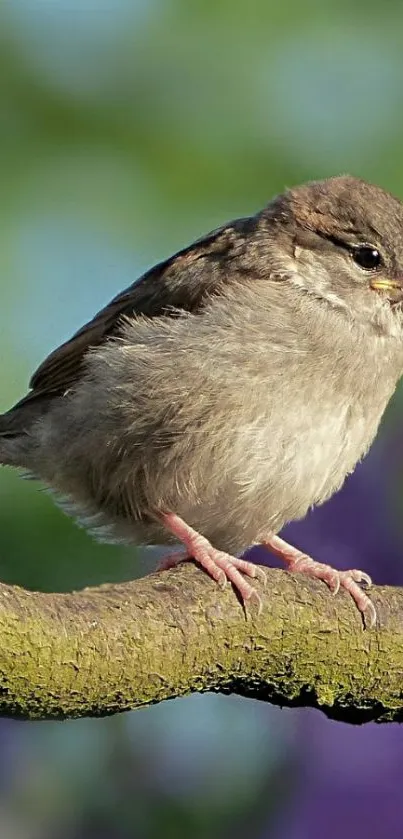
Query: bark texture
[[108, 649]]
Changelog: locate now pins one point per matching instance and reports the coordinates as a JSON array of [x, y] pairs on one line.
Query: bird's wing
[[183, 282]]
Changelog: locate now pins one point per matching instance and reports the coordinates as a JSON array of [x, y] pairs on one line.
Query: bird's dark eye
[[367, 257]]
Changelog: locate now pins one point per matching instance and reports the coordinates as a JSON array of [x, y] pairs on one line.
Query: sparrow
[[229, 389]]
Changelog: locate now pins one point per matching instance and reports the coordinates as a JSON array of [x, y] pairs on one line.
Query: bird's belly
[[286, 475], [271, 479], [272, 472], [317, 461]]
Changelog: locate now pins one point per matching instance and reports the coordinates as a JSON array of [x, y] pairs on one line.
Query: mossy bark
[[116, 647]]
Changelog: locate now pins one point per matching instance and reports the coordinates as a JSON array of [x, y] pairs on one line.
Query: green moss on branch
[[116, 647]]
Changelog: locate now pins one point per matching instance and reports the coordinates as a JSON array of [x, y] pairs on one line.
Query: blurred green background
[[128, 128]]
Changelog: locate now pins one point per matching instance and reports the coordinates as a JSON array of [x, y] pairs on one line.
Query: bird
[[229, 389]]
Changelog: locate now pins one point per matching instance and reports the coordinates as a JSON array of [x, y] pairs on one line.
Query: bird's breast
[[314, 440]]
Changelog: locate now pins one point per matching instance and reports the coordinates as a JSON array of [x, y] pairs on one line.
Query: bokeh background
[[128, 128]]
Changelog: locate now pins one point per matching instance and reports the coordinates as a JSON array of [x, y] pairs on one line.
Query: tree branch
[[116, 647]]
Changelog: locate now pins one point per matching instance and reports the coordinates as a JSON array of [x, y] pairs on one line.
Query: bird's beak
[[392, 289]]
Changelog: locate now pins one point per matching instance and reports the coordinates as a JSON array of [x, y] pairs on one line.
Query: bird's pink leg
[[222, 567], [299, 562]]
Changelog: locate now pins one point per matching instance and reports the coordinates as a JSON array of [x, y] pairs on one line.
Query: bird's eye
[[367, 257]]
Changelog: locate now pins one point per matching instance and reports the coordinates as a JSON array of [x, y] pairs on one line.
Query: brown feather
[[182, 282]]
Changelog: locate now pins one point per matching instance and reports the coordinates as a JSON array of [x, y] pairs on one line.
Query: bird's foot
[[222, 567], [301, 563]]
